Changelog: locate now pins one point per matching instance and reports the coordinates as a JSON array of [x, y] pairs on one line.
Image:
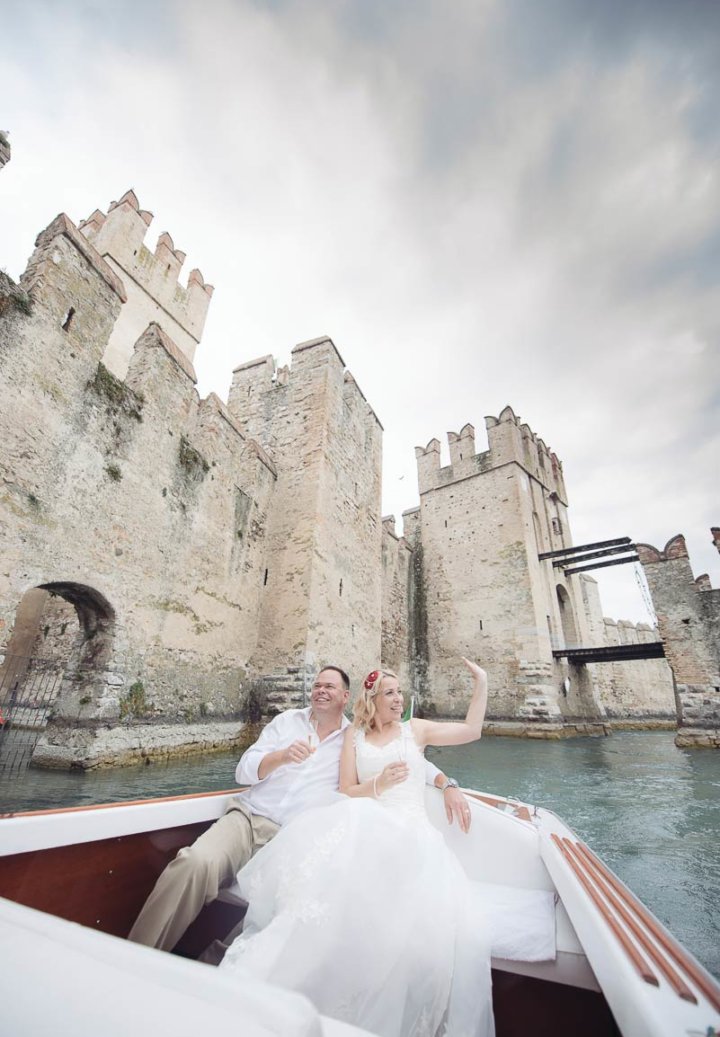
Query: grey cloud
[[482, 203]]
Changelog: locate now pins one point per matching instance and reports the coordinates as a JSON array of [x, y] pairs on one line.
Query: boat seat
[[521, 922]]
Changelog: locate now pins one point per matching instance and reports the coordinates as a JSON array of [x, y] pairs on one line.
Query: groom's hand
[[457, 808], [298, 751]]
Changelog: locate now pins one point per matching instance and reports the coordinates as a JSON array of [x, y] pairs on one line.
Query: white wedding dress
[[360, 906]]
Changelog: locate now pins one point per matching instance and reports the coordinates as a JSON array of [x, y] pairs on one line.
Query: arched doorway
[[60, 645]]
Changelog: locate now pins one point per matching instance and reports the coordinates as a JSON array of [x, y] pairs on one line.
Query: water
[[649, 809]]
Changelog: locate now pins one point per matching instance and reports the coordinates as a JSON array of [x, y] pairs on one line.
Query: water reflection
[[652, 811]]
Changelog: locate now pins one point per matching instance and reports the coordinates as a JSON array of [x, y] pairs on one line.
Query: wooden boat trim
[[633, 924], [519, 811], [122, 803], [640, 964], [702, 981]]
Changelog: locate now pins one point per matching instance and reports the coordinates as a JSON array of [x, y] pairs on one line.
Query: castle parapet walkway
[[612, 653]]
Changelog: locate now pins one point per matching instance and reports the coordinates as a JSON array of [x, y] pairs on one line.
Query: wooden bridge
[[612, 653], [573, 560]]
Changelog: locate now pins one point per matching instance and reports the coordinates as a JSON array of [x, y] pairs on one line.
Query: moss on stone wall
[[192, 460], [119, 398], [418, 623], [134, 704], [12, 297]]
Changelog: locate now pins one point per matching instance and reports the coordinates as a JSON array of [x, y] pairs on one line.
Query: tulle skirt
[[367, 913]]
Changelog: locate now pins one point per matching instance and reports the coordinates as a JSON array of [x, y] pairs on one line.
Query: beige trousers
[[198, 873]]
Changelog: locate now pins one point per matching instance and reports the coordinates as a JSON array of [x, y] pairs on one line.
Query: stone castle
[[182, 564]]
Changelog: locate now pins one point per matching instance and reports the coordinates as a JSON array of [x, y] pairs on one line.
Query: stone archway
[[83, 679], [54, 667]]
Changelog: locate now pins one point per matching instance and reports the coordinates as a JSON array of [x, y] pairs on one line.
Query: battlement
[[509, 441], [68, 300], [411, 526], [62, 226], [388, 526], [260, 390], [150, 279], [155, 338], [392, 537], [674, 548], [624, 631]]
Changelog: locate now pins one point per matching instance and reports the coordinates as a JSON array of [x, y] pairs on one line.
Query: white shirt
[[294, 786]]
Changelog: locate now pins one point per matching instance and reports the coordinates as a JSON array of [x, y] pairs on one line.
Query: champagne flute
[[313, 737], [401, 746]]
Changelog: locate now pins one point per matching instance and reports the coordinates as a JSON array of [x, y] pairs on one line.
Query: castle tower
[[688, 614], [150, 280], [484, 519], [321, 599]]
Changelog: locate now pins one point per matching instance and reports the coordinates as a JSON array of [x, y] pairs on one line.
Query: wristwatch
[[450, 783]]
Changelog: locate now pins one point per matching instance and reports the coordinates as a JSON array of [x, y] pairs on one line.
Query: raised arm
[[431, 732]]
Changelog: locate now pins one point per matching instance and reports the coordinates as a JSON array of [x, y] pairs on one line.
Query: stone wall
[[124, 498], [688, 613], [322, 594], [638, 691], [397, 603], [641, 689]]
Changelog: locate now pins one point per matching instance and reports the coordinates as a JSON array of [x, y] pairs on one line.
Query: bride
[[359, 904]]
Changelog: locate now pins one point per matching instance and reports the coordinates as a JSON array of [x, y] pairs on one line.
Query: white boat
[[73, 881]]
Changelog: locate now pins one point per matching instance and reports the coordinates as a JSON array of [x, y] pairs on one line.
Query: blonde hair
[[364, 707]]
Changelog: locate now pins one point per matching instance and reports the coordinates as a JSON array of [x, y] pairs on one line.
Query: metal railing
[[28, 690]]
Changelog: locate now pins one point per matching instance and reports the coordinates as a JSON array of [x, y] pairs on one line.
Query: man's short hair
[[343, 676]]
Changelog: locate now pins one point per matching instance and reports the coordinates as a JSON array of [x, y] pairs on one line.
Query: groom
[[294, 764]]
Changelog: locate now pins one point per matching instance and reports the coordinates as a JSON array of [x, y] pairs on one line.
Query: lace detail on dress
[[296, 877], [408, 798]]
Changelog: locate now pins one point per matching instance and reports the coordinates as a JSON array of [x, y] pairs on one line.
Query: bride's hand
[[477, 672], [393, 774]]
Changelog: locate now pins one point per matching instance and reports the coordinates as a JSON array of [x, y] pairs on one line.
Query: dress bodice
[[408, 797]]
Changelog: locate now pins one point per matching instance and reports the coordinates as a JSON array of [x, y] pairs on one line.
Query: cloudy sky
[[481, 201]]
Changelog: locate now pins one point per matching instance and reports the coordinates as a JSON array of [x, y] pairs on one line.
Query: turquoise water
[[649, 809]]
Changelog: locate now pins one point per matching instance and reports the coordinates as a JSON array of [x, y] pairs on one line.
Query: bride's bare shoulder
[[351, 734]]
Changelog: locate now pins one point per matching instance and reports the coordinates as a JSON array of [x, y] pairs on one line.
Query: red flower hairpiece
[[371, 678]]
